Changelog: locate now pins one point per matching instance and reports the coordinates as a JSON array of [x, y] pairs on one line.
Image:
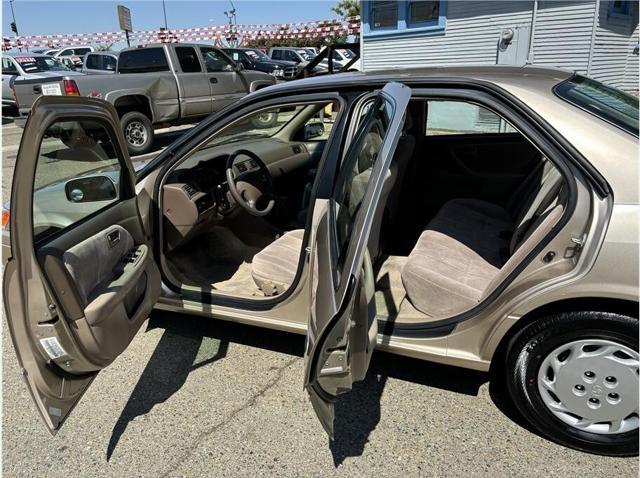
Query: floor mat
[[217, 259]]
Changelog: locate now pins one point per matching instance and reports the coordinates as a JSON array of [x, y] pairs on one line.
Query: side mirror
[[90, 189], [313, 130], [239, 66]]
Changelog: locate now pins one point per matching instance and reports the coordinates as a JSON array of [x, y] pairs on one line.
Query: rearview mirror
[[313, 130], [90, 189]]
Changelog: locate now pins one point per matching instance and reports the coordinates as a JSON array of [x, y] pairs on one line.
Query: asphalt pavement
[[196, 397]]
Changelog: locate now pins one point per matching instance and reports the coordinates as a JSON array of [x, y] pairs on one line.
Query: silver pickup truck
[[155, 85]]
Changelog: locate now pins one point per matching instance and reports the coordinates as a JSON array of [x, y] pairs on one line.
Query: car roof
[[111, 53], [158, 45], [497, 74], [15, 54]]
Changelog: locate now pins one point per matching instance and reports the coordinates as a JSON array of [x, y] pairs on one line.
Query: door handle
[[213, 80], [37, 89]]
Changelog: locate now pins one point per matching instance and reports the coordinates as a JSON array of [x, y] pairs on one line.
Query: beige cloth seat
[[472, 245], [274, 267]]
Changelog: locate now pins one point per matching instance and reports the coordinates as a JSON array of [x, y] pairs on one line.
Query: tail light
[[71, 88], [5, 218]]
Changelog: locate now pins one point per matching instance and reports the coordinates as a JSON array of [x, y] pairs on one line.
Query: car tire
[[138, 132], [546, 357], [264, 120]]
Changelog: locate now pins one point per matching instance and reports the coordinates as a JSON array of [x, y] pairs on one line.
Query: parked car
[[300, 56], [17, 66], [255, 59], [482, 217], [74, 54], [342, 57], [147, 92], [100, 63]]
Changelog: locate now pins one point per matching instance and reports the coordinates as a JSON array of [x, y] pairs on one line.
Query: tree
[[347, 8]]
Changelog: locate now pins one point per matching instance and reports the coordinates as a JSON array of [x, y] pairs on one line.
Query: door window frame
[[322, 189], [126, 188]]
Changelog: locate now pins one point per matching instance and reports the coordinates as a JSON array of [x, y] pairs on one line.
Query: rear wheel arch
[[585, 304], [128, 103]]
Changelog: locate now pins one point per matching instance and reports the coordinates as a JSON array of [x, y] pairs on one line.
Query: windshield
[[605, 102], [257, 55], [307, 55], [38, 64]]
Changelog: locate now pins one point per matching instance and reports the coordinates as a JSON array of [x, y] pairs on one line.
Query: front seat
[[274, 267]]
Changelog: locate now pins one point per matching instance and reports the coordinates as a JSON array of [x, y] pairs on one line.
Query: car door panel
[[226, 85], [342, 328], [75, 295]]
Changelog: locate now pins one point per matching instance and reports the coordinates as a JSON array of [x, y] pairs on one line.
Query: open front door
[[342, 327], [81, 279]]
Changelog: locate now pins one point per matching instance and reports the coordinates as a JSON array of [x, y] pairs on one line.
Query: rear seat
[[470, 246]]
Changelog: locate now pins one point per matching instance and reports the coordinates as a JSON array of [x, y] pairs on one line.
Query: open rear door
[[81, 279], [342, 327]]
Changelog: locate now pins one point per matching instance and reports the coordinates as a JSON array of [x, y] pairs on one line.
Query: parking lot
[[197, 397]]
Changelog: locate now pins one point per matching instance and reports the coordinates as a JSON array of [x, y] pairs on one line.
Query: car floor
[[219, 260]]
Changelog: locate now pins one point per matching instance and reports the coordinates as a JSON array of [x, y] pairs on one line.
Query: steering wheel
[[253, 187]]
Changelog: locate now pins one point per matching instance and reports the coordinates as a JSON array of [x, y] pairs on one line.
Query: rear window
[[148, 60], [605, 102], [37, 64]]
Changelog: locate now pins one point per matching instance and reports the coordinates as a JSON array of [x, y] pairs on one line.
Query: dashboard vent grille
[[190, 190]]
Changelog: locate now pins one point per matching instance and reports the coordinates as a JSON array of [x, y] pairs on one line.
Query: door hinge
[[336, 364]]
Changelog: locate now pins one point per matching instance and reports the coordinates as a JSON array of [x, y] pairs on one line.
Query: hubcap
[[135, 133], [592, 385]]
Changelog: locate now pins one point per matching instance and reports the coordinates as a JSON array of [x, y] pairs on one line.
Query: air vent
[[190, 190]]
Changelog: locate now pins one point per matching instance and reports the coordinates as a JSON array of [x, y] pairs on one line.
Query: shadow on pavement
[[190, 342], [358, 413]]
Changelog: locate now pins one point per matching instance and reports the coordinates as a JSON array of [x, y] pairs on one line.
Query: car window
[[93, 62], [608, 103], [109, 62], [461, 117], [188, 60], [66, 52], [355, 173], [8, 67], [145, 60], [276, 54], [81, 51], [319, 126], [215, 61], [37, 64], [77, 173]]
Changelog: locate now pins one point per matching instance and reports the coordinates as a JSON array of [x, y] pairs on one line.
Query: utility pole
[[164, 10], [14, 25], [232, 39]]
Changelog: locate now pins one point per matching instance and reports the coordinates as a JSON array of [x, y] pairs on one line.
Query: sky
[[88, 16]]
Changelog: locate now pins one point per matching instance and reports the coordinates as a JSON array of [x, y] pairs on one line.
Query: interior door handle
[[213, 80]]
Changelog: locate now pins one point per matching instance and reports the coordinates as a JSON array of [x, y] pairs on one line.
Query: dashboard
[[196, 193]]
